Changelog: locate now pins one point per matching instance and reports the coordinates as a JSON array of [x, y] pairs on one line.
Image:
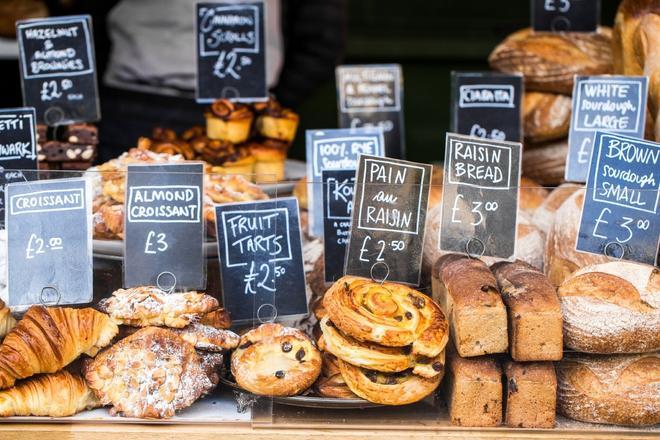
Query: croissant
[[7, 322], [53, 395], [48, 339]]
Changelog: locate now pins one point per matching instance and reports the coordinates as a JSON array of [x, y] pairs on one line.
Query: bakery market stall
[[204, 284]]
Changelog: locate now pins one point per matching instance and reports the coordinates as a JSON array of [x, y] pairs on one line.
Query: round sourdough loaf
[[612, 308], [618, 389], [544, 215]]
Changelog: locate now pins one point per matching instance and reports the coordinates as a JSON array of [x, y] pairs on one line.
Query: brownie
[[82, 134], [57, 151]]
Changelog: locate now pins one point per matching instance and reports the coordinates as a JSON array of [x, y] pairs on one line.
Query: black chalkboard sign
[[337, 149], [480, 196], [616, 104], [17, 148], [164, 226], [49, 242], [620, 216], [372, 96], [565, 15], [487, 105], [231, 55], [338, 188], [58, 70], [387, 226], [261, 264]]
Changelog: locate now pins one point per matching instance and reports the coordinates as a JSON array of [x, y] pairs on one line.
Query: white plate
[[295, 170]]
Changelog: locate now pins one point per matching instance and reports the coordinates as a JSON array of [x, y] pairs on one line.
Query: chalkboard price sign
[[616, 104], [17, 148], [387, 227], [487, 105], [261, 264], [335, 150], [372, 96], [565, 15], [58, 71], [231, 55], [338, 188], [164, 226], [49, 242], [620, 215], [480, 196]]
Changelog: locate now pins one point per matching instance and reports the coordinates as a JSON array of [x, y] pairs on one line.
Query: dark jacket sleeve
[[314, 42]]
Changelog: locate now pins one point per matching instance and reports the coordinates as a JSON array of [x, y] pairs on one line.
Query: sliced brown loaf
[[531, 394], [546, 116], [612, 308], [473, 390], [467, 291], [561, 259], [544, 215], [616, 389], [535, 325]]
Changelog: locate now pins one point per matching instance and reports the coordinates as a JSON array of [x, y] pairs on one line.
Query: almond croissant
[[48, 339], [54, 395], [7, 322]]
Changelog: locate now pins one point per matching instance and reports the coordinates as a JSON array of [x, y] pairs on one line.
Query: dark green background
[[429, 38]]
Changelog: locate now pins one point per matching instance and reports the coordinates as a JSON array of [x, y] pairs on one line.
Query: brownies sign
[[616, 104], [58, 70], [261, 264], [480, 196], [620, 213], [231, 55], [49, 242], [164, 226], [387, 228]]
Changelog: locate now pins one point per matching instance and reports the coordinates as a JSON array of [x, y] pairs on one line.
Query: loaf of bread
[[473, 390], [546, 162], [535, 324], [636, 48], [531, 394], [546, 116], [532, 195], [544, 215], [467, 291], [612, 308], [549, 61], [616, 389], [561, 259]]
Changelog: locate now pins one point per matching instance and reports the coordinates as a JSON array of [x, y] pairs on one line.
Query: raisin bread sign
[[620, 216], [231, 55], [58, 69], [261, 265], [480, 196], [387, 227]]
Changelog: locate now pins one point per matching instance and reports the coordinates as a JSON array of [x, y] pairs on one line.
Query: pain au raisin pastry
[[275, 121], [151, 374], [59, 394], [399, 388], [48, 339], [274, 360], [389, 314], [149, 305], [228, 121], [331, 383]]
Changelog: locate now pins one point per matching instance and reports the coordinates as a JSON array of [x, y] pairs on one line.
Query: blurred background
[[429, 38]]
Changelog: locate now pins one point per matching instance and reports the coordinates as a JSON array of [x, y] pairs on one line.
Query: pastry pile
[[387, 342], [169, 358], [239, 139]]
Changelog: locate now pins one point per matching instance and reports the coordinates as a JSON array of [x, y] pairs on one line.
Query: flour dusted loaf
[[545, 162], [561, 259], [612, 308], [535, 323], [467, 291], [473, 390], [616, 389], [544, 215], [531, 394], [546, 116]]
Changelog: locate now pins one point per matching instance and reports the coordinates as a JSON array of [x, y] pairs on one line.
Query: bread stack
[[507, 308], [549, 61], [387, 340], [612, 323]]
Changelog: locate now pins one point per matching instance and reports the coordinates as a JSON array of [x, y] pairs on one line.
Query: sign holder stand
[[467, 248], [47, 303], [612, 255], [169, 289], [387, 274]]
